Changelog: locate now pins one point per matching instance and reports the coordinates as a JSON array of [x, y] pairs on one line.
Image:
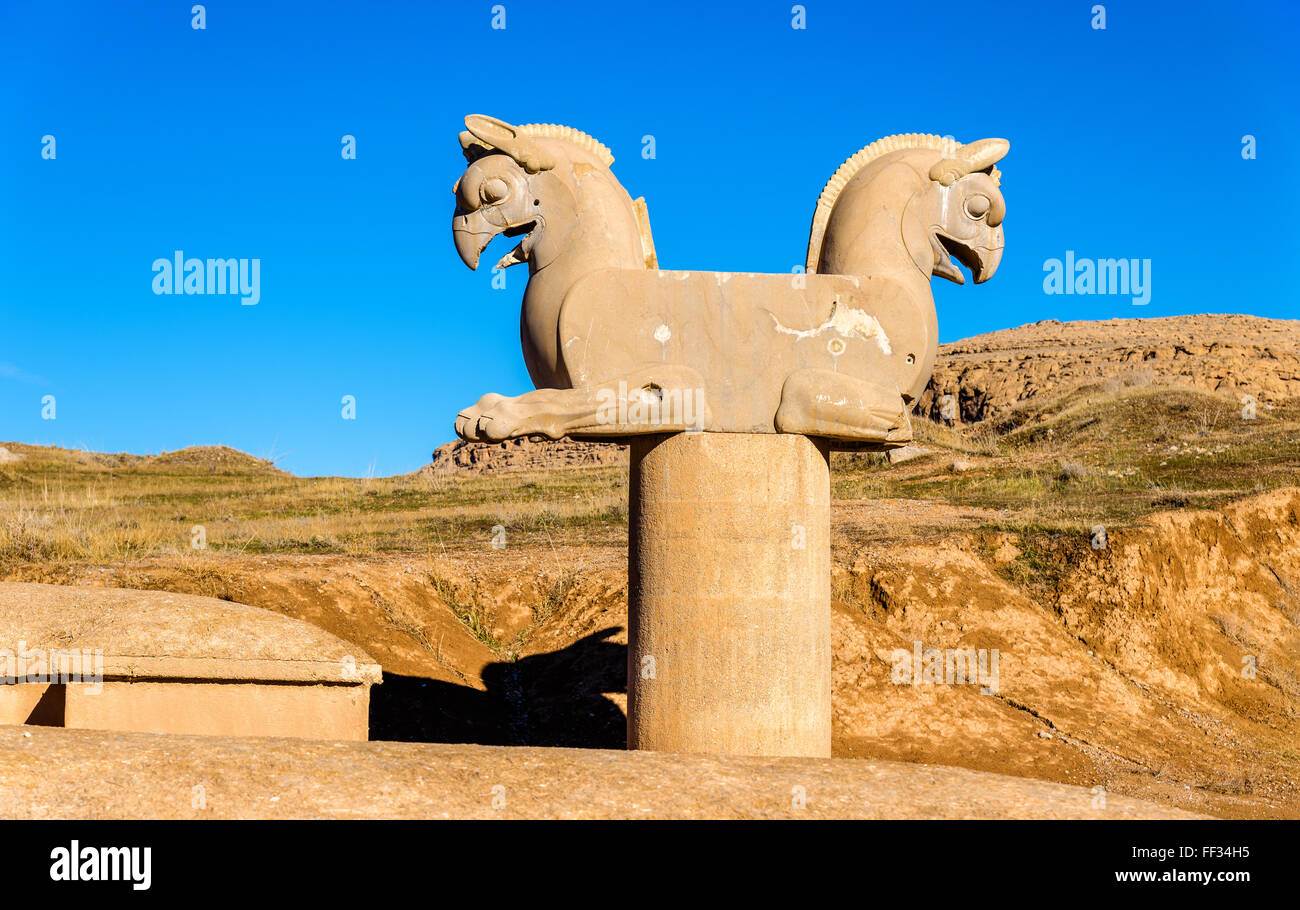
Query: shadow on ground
[[552, 699]]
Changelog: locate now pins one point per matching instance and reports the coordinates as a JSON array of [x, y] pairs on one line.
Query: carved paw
[[467, 421], [503, 419], [495, 418], [835, 406]]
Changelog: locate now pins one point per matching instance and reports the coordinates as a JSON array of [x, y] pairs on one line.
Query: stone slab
[[81, 774], [160, 634], [154, 661]]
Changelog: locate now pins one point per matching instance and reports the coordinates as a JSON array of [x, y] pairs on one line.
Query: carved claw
[[499, 422], [525, 415], [495, 418], [468, 420]]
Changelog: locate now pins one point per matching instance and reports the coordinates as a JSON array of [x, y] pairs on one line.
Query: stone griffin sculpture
[[618, 347]]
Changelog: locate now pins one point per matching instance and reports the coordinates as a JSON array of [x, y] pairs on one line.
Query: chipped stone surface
[[907, 453], [82, 774]]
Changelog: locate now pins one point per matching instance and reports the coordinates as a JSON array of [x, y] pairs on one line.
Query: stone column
[[729, 594]]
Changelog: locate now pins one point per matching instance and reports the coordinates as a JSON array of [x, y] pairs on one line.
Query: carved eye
[[977, 206], [493, 190]]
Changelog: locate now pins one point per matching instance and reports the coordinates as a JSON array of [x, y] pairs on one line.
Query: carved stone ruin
[[732, 389], [160, 662]]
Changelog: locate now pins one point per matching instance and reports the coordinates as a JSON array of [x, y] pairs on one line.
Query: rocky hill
[[1237, 355], [193, 459], [522, 454]]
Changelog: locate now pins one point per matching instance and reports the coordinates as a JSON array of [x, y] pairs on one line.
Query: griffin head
[[494, 195], [941, 195], [532, 180], [963, 212]]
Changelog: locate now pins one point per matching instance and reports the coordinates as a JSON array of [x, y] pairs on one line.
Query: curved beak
[[980, 254], [989, 252], [987, 260], [471, 233]]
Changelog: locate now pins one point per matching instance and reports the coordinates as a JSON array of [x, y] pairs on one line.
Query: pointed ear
[[498, 134], [976, 156], [472, 148], [985, 153]]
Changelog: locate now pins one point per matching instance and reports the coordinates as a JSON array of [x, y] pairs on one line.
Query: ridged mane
[[948, 148], [568, 134]]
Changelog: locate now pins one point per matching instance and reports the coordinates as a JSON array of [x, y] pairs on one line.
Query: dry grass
[[1105, 454], [57, 507]]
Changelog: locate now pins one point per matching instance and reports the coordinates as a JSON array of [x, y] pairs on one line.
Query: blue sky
[[225, 142]]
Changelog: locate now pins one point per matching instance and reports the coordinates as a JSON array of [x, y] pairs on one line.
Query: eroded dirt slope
[[1163, 666]]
